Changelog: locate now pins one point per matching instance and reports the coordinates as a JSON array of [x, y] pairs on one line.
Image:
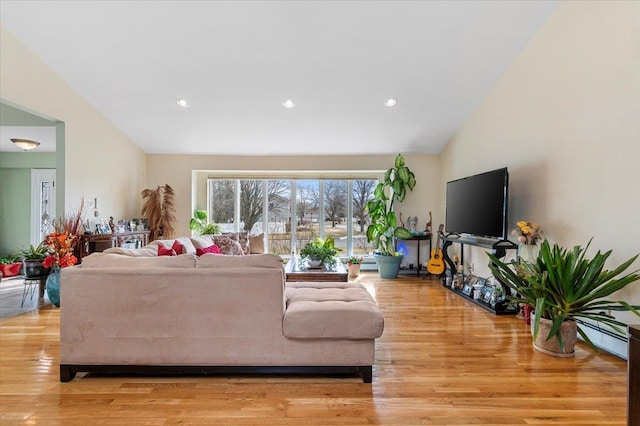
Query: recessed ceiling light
[[391, 102], [289, 103], [182, 102]]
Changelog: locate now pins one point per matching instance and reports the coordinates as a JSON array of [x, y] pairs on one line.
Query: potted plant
[[10, 265], [384, 228], [33, 258], [201, 225], [319, 251], [564, 286], [353, 265]]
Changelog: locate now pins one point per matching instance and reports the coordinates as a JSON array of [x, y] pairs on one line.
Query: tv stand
[[499, 249]]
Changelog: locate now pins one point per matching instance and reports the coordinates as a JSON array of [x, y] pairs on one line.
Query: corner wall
[[99, 160], [565, 119]]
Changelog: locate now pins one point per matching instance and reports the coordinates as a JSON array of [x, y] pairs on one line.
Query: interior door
[[43, 203]]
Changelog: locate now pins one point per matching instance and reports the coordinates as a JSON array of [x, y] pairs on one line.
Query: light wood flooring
[[11, 292], [441, 360]]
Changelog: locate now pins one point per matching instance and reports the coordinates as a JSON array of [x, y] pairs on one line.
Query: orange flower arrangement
[[60, 247]]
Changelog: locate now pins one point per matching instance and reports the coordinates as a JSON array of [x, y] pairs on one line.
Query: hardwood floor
[[440, 360]]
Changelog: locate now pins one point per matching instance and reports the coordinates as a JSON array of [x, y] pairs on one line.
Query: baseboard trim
[[68, 371]]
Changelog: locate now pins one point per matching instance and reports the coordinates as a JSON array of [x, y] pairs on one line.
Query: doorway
[[43, 203]]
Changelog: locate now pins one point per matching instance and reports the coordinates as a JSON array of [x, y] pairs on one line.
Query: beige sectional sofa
[[210, 314]]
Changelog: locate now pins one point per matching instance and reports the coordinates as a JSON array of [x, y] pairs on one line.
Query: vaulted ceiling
[[236, 62]]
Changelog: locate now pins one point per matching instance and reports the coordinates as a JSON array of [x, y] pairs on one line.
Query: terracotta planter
[[569, 332]]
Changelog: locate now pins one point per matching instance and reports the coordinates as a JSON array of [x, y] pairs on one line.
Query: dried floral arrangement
[[158, 207]]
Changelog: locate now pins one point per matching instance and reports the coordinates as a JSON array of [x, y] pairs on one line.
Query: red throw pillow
[[177, 247], [211, 249], [165, 251]]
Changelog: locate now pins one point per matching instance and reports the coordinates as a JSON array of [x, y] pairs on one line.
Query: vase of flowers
[[529, 233], [353, 264], [60, 246]]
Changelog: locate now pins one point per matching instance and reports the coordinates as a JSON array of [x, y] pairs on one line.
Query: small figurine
[[112, 225], [427, 227], [413, 224]]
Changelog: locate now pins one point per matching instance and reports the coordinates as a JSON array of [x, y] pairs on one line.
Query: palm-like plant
[[563, 285]]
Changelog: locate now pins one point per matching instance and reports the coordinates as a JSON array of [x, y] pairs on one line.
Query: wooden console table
[[90, 242]]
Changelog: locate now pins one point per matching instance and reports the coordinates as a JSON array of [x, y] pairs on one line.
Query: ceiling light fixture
[[183, 103], [289, 104], [391, 102], [25, 144]]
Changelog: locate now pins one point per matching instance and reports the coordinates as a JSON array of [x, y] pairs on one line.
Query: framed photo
[[486, 293], [467, 289], [104, 226]]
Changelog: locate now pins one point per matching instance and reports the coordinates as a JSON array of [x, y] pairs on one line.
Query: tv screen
[[477, 205]]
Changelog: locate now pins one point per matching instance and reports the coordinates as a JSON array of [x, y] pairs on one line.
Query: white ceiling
[[236, 62]]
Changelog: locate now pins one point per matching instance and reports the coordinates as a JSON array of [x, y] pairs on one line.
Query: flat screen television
[[477, 205]]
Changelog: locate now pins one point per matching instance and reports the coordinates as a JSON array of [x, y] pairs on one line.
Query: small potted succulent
[[10, 265], [33, 258], [353, 264]]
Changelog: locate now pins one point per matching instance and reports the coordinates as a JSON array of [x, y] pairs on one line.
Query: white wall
[[176, 170], [100, 161], [565, 119]]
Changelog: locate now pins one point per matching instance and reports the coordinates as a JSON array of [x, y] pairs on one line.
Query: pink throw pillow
[[211, 249], [165, 251], [177, 247]]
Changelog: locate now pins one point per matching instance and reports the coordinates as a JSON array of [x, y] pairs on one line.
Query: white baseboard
[[606, 339]]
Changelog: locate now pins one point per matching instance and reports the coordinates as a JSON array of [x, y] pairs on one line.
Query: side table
[[30, 284], [418, 239]]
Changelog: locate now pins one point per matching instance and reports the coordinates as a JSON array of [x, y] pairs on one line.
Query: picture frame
[[467, 289], [486, 293], [104, 226]]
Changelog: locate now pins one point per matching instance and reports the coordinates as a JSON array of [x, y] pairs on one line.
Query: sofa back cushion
[[111, 260], [252, 260]]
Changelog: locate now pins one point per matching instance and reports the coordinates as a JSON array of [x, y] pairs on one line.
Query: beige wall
[[101, 162], [565, 119], [176, 170]]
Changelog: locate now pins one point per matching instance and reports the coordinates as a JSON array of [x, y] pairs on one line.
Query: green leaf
[[399, 161]]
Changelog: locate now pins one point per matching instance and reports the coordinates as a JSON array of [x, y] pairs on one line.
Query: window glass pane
[[362, 192], [222, 196], [307, 206], [279, 216], [251, 197], [335, 212]]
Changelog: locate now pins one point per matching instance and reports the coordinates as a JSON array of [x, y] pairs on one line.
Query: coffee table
[[296, 270]]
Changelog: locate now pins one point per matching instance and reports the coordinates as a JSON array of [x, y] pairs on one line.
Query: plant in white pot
[[564, 286], [384, 228]]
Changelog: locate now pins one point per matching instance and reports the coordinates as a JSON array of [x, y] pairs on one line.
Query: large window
[[294, 212]]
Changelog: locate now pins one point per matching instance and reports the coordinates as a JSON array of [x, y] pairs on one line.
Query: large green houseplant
[[564, 286], [200, 223], [383, 228]]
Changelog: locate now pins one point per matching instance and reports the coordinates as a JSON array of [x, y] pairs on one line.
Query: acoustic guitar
[[435, 265]]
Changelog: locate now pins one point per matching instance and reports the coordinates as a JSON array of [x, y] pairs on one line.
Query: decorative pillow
[[177, 247], [201, 241], [214, 249], [165, 251], [256, 244], [227, 245], [242, 238]]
